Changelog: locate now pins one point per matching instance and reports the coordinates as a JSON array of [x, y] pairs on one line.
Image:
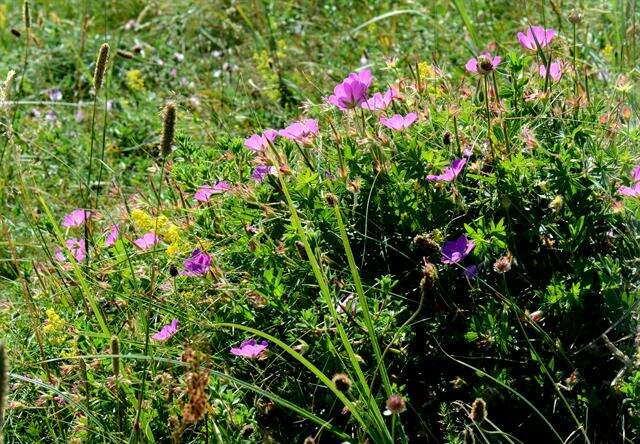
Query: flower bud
[[342, 382], [395, 405], [478, 410], [575, 16]]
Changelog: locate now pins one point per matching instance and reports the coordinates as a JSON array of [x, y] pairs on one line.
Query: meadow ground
[[300, 221]]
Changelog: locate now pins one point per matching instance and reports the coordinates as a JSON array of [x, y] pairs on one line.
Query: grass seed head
[[169, 128], [101, 66]]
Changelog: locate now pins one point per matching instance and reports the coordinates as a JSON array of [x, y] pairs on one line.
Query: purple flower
[[77, 248], [75, 218], [198, 264], [397, 122], [147, 241], [483, 64], [55, 95], [635, 174], [79, 115], [450, 173], [456, 250], [262, 171], [112, 237], [250, 349], [302, 131], [471, 271], [167, 331], [555, 71], [352, 91], [380, 101], [205, 191], [259, 142], [536, 34]]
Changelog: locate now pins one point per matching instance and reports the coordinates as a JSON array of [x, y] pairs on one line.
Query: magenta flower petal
[[536, 33], [204, 193], [75, 218], [633, 191], [398, 122], [198, 264], [167, 331], [250, 349], [258, 142], [112, 236], [456, 250], [472, 65], [449, 173], [352, 91], [555, 71], [302, 131], [77, 248], [147, 241]]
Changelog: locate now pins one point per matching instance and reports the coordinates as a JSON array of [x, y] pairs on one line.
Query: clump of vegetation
[[222, 235]]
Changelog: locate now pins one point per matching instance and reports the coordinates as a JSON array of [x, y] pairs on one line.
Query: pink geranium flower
[[147, 241], [483, 64], [634, 190], [302, 131], [398, 122], [555, 71], [167, 331], [250, 349], [259, 142], [380, 101], [75, 218], [352, 91], [112, 236], [535, 34], [77, 248], [449, 173], [204, 193]]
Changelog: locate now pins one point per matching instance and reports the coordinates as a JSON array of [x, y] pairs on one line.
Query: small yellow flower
[[170, 234], [174, 249], [141, 219], [54, 327], [134, 80]]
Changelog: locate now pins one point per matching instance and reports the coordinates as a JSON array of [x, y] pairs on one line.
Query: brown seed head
[[101, 66], [342, 382], [478, 410], [168, 129]]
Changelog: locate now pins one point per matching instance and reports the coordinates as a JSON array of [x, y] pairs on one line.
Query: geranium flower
[[555, 71], [76, 246], [397, 122], [449, 173], [634, 190], [262, 171], [198, 264], [536, 33], [471, 271], [259, 142], [167, 331], [147, 241], [456, 250], [112, 237], [75, 218], [380, 101], [483, 64], [205, 191], [352, 91], [302, 131], [250, 349]]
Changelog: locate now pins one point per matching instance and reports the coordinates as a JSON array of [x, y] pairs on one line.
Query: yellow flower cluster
[[134, 80], [169, 232], [54, 327]]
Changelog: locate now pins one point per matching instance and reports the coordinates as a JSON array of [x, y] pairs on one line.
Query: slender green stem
[[486, 101]]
